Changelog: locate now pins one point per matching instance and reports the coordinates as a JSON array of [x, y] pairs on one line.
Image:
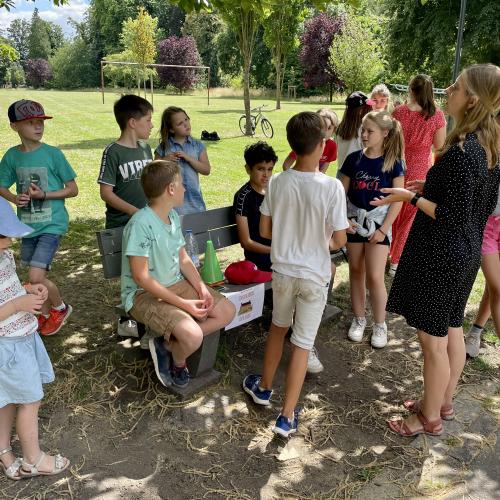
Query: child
[[330, 151], [160, 285], [349, 130], [381, 97], [364, 174], [490, 303], [24, 363], [177, 144], [260, 159], [43, 178], [304, 211], [123, 161]]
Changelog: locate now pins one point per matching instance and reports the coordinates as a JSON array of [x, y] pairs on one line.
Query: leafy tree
[[38, 72], [314, 55], [182, 51], [16, 75], [421, 36], [8, 55], [280, 35], [18, 33], [56, 36], [8, 4], [72, 66], [38, 41], [122, 74], [354, 56]]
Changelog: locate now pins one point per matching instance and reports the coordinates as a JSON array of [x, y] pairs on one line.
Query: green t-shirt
[[146, 235], [47, 167], [121, 168]]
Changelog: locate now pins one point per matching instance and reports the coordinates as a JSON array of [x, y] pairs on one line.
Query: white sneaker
[[392, 270], [314, 365], [127, 328], [472, 344], [357, 329], [379, 335]]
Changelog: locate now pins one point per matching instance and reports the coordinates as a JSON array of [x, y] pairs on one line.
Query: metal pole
[[208, 87], [102, 81], [151, 80]]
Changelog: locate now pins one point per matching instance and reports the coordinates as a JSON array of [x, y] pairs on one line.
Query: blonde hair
[[381, 88], [393, 147], [483, 82], [329, 114]]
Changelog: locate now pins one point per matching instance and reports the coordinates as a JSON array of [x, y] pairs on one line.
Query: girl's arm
[[439, 138], [288, 163], [25, 303], [346, 181], [244, 236], [201, 165], [324, 166], [70, 190]]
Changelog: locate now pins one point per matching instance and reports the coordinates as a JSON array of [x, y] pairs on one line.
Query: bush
[[38, 72]]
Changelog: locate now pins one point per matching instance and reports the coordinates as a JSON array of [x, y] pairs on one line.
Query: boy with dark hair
[[160, 285], [305, 213], [44, 179], [260, 159], [123, 161]]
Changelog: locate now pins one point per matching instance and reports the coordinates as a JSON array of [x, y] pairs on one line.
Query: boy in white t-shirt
[[304, 211]]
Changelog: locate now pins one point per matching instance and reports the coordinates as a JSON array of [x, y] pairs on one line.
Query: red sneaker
[[41, 321], [56, 321]]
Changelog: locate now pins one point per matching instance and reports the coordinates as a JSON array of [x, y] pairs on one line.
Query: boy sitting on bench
[[160, 285]]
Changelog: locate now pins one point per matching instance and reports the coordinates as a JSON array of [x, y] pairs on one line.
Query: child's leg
[[356, 254], [186, 338], [491, 268], [272, 354], [37, 275], [375, 259], [220, 316], [484, 311], [7, 415], [295, 375]]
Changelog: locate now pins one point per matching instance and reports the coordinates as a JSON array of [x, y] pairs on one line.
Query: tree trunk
[[246, 95], [278, 82], [331, 91]]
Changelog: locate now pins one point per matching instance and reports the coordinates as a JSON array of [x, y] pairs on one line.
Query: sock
[[475, 329], [382, 325], [179, 368], [59, 308]]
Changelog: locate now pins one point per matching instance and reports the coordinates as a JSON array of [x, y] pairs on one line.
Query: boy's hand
[[206, 296], [28, 303], [22, 199], [37, 289], [36, 192], [196, 308], [352, 226]]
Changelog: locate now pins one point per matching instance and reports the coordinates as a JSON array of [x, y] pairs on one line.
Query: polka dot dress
[[441, 258]]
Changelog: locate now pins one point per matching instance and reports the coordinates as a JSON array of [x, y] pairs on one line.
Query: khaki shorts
[[162, 317]]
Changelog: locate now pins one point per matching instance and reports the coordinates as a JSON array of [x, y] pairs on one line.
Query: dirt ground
[[127, 438]]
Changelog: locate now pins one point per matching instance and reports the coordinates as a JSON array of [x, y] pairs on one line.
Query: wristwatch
[[414, 200]]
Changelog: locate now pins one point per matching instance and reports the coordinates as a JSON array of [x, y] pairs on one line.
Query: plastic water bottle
[[192, 248]]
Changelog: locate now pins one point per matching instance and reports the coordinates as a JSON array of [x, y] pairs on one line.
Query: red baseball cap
[[26, 110], [245, 272]]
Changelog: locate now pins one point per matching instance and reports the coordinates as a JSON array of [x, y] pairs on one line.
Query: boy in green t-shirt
[[44, 179], [123, 161], [160, 285]]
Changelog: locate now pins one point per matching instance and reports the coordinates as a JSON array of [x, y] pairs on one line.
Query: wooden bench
[[218, 225]]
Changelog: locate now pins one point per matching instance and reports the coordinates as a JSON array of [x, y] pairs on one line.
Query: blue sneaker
[[180, 378], [161, 360], [259, 396], [284, 426]]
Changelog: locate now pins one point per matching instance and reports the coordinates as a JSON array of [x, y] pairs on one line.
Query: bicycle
[[267, 128]]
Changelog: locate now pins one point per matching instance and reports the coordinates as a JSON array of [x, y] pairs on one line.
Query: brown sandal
[[414, 405], [400, 427]]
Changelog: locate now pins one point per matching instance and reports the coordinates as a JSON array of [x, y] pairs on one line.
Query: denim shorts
[[304, 298], [24, 367], [39, 250]]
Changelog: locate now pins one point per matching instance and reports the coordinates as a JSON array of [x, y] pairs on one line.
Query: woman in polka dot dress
[[442, 256]]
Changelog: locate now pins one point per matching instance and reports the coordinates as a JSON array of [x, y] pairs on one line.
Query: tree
[[280, 35], [8, 55], [56, 36], [182, 51], [125, 75], [354, 56], [38, 40], [38, 72], [138, 36], [8, 4], [18, 33], [314, 54]]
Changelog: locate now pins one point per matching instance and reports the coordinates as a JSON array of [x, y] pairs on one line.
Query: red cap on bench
[[245, 272]]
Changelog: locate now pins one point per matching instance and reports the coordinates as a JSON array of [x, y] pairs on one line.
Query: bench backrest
[[218, 225]]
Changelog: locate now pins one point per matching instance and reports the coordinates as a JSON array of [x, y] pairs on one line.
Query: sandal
[[12, 471], [60, 465], [414, 405], [400, 427]]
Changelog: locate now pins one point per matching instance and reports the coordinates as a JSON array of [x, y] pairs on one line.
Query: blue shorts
[[24, 367], [39, 250]]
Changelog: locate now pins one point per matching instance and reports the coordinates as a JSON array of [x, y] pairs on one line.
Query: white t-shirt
[[305, 207], [346, 147]]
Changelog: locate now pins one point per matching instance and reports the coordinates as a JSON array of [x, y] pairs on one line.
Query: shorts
[[24, 367], [304, 298], [39, 251], [491, 238], [162, 317], [357, 238]]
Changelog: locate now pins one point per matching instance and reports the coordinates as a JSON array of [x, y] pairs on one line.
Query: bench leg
[[204, 358]]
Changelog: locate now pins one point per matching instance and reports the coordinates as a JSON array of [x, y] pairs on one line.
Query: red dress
[[418, 136]]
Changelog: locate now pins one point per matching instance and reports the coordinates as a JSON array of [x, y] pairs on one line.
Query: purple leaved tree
[[38, 72], [315, 51], [182, 51]]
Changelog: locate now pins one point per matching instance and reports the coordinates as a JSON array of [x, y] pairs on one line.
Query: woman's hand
[[415, 186], [377, 237], [394, 195]]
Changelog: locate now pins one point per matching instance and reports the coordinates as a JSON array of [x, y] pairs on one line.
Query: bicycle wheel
[[243, 124], [267, 128]]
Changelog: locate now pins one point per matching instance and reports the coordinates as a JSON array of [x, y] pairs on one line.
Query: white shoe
[[357, 329], [472, 344], [379, 335], [127, 328], [314, 365], [392, 270]]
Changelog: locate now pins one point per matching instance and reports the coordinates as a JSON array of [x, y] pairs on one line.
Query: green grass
[[83, 126]]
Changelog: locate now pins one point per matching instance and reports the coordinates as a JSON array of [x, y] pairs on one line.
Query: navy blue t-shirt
[[367, 179]]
